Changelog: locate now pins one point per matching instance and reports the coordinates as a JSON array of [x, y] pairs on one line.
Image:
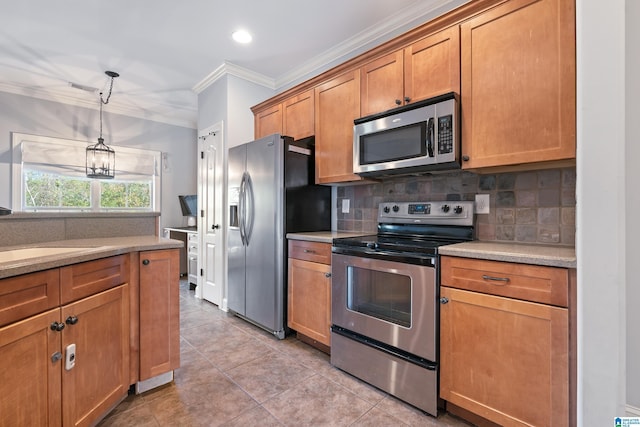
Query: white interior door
[[211, 229]]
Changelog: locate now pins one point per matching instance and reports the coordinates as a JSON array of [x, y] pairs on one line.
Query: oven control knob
[[396, 208], [372, 245], [386, 209], [458, 209], [445, 208]]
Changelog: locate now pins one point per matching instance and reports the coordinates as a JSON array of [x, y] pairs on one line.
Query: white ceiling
[[168, 50]]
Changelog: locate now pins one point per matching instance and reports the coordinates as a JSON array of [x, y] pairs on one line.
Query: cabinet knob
[[327, 274], [407, 99], [465, 158], [398, 102], [56, 356], [444, 300], [145, 262], [57, 326], [215, 226], [71, 320]]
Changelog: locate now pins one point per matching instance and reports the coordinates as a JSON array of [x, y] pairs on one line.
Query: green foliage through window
[[48, 190], [43, 190], [130, 195]]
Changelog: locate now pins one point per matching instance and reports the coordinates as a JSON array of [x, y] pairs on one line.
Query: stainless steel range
[[385, 289]]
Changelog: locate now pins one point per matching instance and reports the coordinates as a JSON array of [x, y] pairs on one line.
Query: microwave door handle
[[430, 137]]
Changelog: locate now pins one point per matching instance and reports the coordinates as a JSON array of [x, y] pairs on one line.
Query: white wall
[[601, 211], [632, 229], [242, 96], [40, 117]]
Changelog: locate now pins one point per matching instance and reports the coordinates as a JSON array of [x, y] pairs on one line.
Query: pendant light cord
[[105, 102]]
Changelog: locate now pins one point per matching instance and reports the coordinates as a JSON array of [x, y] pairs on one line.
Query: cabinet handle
[[444, 300], [57, 326], [215, 226], [505, 280], [56, 356], [309, 251], [465, 158], [327, 274], [71, 320], [145, 262]]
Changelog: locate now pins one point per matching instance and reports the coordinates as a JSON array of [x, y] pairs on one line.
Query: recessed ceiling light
[[241, 36]]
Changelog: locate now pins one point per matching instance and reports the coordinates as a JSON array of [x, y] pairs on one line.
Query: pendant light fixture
[[101, 159]]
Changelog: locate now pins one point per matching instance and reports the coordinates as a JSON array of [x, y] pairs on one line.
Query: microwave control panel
[[445, 134]]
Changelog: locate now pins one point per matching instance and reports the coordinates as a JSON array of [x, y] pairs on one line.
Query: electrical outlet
[[345, 205], [482, 203]]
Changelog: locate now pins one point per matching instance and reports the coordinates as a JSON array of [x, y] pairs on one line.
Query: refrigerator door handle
[[242, 208], [249, 209]]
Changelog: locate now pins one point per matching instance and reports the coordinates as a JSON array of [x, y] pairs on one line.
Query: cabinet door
[[382, 84], [337, 106], [432, 65], [309, 306], [268, 122], [30, 385], [159, 312], [503, 359], [100, 377], [297, 116], [518, 84]]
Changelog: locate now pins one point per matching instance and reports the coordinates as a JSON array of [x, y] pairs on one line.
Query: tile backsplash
[[526, 207]]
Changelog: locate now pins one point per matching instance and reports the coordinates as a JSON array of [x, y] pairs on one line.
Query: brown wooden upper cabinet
[[293, 117], [337, 105], [427, 68], [518, 84]]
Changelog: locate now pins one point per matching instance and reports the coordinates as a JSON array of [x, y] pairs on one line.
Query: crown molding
[[62, 97], [235, 70], [420, 11]]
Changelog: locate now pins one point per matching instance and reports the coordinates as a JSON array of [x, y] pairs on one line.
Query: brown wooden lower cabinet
[[504, 359], [39, 328], [100, 377], [30, 389], [309, 292], [159, 312]]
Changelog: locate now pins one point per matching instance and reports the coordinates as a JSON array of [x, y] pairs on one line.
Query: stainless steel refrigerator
[[271, 193]]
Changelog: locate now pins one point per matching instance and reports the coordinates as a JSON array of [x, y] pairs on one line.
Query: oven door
[[388, 301]]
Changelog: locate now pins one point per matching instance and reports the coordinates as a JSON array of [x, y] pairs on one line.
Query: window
[[49, 175]]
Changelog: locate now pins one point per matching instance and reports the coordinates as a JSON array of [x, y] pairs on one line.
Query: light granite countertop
[[323, 236], [83, 250], [549, 255]]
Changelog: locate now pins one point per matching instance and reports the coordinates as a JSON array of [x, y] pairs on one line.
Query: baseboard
[[632, 411]]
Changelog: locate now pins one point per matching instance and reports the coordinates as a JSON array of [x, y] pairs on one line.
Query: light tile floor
[[234, 374]]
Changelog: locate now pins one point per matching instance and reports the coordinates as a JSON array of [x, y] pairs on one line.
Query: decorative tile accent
[[530, 206]]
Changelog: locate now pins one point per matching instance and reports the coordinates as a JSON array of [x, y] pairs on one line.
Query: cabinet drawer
[[310, 251], [88, 278], [547, 285], [29, 294]]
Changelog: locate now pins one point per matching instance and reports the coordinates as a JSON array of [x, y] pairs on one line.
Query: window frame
[[21, 142]]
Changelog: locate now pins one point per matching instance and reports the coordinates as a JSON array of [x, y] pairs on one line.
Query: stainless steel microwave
[[416, 138]]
